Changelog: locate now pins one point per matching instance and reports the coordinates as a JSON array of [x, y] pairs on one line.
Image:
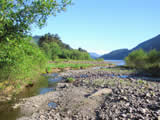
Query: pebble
[[126, 101]]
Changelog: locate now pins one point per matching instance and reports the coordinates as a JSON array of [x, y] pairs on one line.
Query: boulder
[[62, 85]]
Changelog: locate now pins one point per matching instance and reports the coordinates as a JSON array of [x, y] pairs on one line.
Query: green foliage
[[136, 59], [52, 50], [74, 55], [153, 57], [48, 69], [19, 60], [18, 57], [62, 65], [78, 55], [141, 81], [51, 38], [55, 48], [70, 80], [148, 62], [17, 16]]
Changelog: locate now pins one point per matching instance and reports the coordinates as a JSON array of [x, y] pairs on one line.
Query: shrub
[[153, 57], [20, 60], [75, 55], [52, 50], [136, 59], [70, 80], [147, 62]]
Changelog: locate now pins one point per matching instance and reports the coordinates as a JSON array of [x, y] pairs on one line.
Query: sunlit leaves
[[20, 59], [17, 16]]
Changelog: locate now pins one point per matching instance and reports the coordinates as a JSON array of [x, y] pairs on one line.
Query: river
[[117, 62], [46, 83]]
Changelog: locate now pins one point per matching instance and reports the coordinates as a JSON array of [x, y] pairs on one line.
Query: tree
[[81, 50], [52, 50], [136, 59], [17, 16], [49, 38]]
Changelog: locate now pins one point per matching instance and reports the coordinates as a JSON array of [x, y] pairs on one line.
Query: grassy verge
[[73, 64], [68, 65], [11, 88]]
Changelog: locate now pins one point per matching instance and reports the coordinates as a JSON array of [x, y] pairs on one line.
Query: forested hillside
[[116, 54], [153, 43], [54, 48]]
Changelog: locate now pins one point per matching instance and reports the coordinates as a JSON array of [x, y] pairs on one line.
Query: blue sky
[[105, 25]]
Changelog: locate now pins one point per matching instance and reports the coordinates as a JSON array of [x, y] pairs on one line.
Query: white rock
[[62, 85], [101, 92]]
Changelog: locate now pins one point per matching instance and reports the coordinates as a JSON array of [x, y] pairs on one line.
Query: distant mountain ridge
[[116, 54], [153, 43], [94, 55]]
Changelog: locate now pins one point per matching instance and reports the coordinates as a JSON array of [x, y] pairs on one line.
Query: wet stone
[[52, 105]]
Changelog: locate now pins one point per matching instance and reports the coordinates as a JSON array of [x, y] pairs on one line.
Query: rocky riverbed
[[97, 94]]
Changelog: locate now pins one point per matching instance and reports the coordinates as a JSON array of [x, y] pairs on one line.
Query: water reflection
[[46, 90]]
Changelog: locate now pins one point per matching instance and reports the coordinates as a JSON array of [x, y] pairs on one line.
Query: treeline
[[54, 48], [148, 62], [20, 59]]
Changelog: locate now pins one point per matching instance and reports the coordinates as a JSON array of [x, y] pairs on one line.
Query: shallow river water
[[45, 84], [117, 62]]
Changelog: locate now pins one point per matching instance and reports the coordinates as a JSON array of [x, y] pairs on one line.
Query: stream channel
[[46, 83]]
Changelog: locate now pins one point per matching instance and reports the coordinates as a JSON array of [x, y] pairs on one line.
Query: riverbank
[[45, 83], [97, 93], [9, 89]]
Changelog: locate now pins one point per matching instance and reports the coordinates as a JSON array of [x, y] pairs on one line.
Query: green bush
[[20, 60], [74, 55], [70, 80], [65, 54], [147, 62], [52, 50], [136, 59]]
